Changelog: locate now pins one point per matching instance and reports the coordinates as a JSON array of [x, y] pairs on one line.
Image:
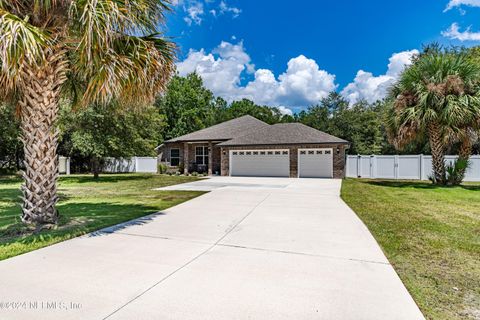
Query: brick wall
[[338, 158], [165, 151], [190, 154]]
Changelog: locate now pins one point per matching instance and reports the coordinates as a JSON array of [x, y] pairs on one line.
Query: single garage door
[[260, 163], [315, 163]]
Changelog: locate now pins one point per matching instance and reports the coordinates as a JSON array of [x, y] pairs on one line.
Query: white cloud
[[194, 10], [454, 33], [302, 84], [371, 88], [221, 69], [457, 3], [224, 8], [285, 111]]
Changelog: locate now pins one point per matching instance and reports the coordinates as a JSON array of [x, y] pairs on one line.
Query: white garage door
[[260, 163], [315, 163]]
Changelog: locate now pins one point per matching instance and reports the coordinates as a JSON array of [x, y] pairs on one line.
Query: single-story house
[[246, 146]]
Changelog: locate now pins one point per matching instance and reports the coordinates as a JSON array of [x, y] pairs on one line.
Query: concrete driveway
[[252, 248]]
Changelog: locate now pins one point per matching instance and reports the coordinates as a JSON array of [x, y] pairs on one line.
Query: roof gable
[[224, 131]]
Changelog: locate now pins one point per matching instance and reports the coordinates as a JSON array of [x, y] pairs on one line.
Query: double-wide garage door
[[312, 163], [260, 163]]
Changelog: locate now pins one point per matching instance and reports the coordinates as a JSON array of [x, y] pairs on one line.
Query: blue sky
[[290, 54]]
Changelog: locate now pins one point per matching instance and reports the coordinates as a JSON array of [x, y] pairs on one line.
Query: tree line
[[91, 133]]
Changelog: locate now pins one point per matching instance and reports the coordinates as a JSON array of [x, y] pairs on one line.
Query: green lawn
[[431, 236], [86, 205]]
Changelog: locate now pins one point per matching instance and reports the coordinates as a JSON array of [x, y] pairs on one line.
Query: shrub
[[162, 168], [456, 172]]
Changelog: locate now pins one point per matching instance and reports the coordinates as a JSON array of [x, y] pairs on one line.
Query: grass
[[431, 235], [86, 205]]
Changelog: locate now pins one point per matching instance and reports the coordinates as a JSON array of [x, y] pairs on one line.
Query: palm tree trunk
[[437, 148], [464, 154], [39, 110], [95, 168]]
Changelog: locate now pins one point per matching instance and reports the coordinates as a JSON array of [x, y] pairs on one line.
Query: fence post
[[358, 166], [67, 166], [420, 157], [395, 166], [372, 163]]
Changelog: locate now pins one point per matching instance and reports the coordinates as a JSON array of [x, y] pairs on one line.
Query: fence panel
[[352, 166], [146, 164], [473, 172], [386, 167], [130, 165], [408, 167], [365, 167], [63, 165], [119, 165]]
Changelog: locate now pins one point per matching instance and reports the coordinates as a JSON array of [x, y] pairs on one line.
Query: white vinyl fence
[[63, 165], [409, 167], [135, 164]]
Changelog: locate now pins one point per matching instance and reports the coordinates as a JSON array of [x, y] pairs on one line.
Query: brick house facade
[[208, 150]]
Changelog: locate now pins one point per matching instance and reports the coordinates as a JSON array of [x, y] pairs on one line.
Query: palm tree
[[438, 94], [93, 51]]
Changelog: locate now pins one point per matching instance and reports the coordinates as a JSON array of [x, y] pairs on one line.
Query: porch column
[[186, 156], [210, 157]]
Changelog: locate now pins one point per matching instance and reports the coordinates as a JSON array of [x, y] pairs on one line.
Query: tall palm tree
[[436, 95], [94, 51]]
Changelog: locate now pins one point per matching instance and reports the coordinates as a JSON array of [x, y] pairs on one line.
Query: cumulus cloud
[[454, 33], [302, 84], [458, 3], [285, 111], [371, 88], [194, 10], [224, 8]]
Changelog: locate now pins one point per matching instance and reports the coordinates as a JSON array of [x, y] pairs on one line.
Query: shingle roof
[[224, 131], [284, 133]]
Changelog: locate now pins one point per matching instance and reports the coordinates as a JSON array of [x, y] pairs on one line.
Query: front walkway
[[253, 248]]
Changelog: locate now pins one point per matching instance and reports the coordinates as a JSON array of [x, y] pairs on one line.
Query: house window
[[201, 155], [174, 157]]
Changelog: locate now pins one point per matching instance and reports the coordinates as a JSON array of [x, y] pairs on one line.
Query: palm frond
[[20, 43], [133, 71], [98, 23]]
